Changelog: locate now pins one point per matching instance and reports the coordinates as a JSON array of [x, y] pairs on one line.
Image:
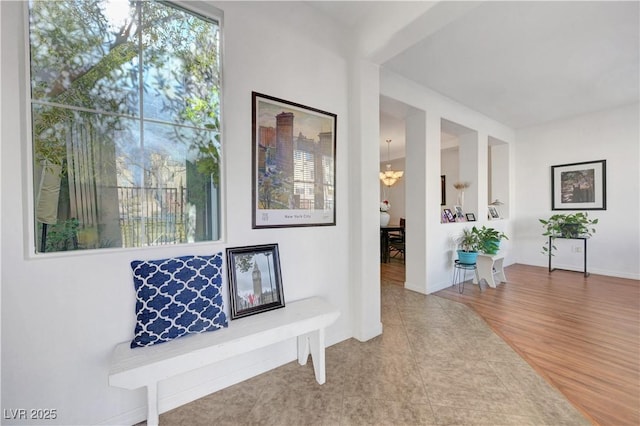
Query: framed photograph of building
[[294, 156], [579, 186], [255, 283]]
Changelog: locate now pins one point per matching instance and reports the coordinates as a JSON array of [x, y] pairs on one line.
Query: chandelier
[[389, 177]]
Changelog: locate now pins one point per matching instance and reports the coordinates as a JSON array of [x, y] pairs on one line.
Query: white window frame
[[201, 8]]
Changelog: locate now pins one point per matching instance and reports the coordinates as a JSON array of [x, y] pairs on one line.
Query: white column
[[364, 213], [416, 200]]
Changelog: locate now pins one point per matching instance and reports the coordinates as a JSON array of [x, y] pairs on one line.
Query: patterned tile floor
[[437, 363]]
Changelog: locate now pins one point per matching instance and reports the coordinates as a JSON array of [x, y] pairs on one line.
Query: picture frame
[[449, 215], [293, 164], [252, 270], [459, 213], [443, 190], [493, 213], [471, 217], [579, 186]]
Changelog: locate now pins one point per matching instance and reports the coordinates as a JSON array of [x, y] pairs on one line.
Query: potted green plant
[[468, 245], [490, 239], [63, 236], [566, 225]]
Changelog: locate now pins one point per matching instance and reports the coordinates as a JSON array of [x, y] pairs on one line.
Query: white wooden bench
[[305, 319]]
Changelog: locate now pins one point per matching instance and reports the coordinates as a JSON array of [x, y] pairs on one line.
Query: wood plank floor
[[581, 334], [393, 272]]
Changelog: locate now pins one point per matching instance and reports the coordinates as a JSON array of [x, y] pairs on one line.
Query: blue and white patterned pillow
[[177, 296]]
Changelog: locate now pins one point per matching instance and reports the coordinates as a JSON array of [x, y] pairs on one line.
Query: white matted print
[[294, 159], [579, 186]]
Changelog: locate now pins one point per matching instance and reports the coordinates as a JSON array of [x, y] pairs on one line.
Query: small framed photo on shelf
[[459, 213], [471, 217], [449, 215], [493, 213], [255, 283]]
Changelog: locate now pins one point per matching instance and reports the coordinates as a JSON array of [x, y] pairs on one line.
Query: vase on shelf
[[461, 198], [384, 218]]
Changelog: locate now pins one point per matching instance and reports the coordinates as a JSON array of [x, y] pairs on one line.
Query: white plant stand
[[490, 267]]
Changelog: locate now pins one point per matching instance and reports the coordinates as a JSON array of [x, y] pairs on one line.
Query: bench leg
[[153, 417], [303, 348], [316, 340], [313, 343]]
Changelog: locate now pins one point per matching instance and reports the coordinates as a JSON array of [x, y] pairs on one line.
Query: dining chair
[[397, 241]]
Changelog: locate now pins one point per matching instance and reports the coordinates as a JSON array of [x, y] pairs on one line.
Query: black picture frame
[[493, 212], [283, 193], [443, 190], [471, 217], [459, 214], [579, 186], [246, 267]]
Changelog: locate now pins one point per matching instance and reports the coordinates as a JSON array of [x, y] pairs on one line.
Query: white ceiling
[[521, 63]]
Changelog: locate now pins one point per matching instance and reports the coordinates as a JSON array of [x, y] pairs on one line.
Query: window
[[303, 179], [126, 124]]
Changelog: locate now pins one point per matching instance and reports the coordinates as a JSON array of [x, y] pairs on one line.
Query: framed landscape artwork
[[294, 156], [579, 186], [255, 283]]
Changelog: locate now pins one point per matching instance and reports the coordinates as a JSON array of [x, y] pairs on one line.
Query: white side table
[[490, 268]]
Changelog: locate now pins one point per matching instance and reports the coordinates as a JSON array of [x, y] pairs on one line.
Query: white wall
[[63, 315], [432, 272], [611, 135]]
